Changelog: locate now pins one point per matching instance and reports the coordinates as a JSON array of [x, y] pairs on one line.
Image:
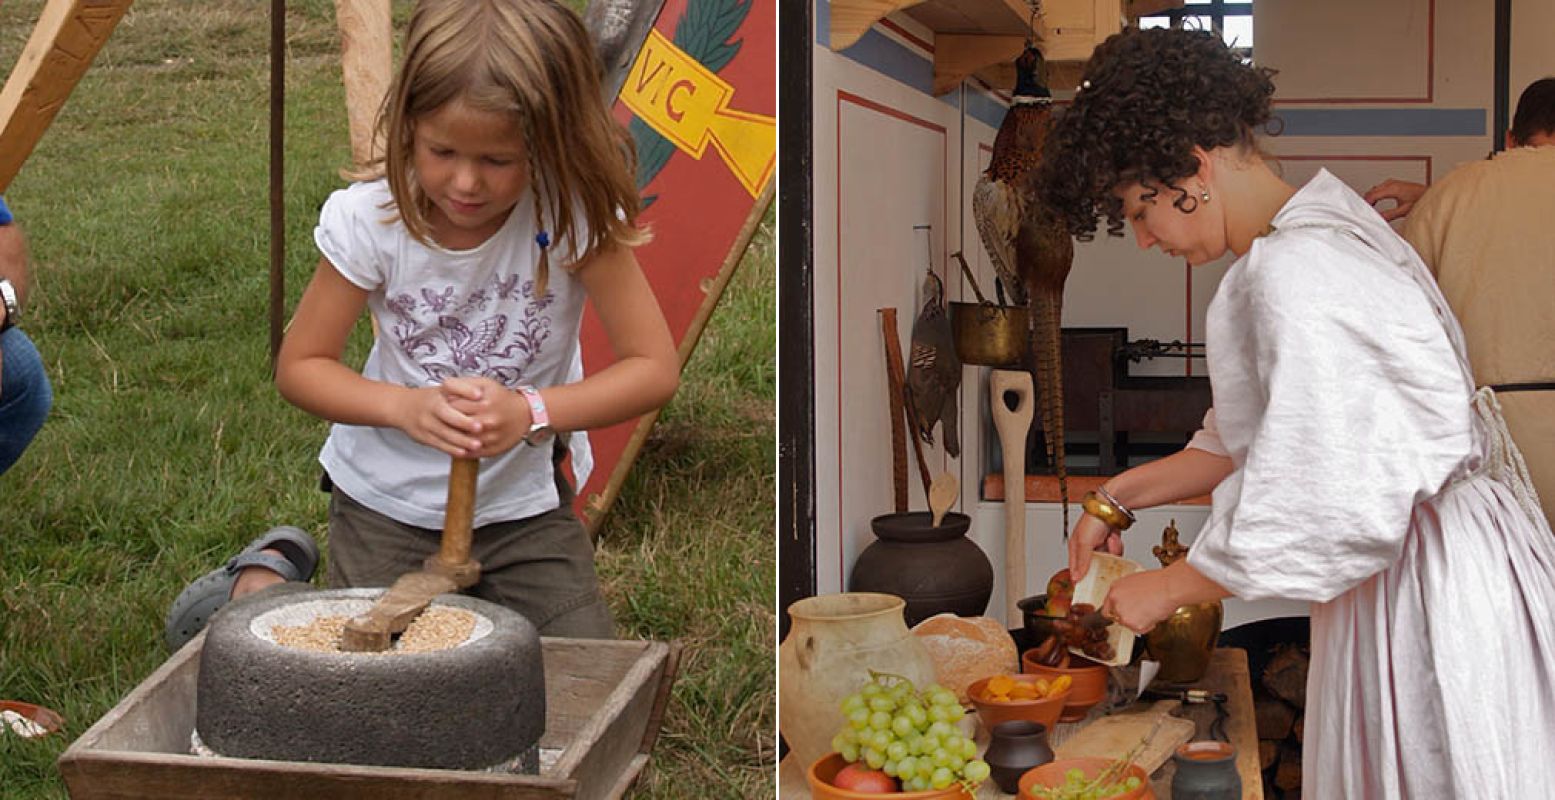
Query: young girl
[[508, 198], [1352, 462]]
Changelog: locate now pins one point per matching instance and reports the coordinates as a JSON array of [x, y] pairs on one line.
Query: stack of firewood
[[1279, 701]]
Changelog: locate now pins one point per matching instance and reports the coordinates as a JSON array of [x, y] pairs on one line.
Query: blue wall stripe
[[1382, 121], [981, 106], [892, 59]]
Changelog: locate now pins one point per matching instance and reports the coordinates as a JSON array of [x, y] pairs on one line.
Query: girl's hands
[[500, 418], [1140, 601], [1091, 534], [464, 417], [428, 416]]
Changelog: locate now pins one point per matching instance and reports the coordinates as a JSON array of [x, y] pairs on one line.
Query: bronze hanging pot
[[988, 334]]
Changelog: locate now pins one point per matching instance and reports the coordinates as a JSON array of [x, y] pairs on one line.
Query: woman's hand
[[1140, 601], [501, 415], [1091, 534], [427, 416]]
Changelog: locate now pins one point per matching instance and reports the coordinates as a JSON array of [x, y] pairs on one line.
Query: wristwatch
[[12, 308], [539, 419]]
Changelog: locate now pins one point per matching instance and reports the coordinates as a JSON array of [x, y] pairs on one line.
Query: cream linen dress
[[1372, 480]]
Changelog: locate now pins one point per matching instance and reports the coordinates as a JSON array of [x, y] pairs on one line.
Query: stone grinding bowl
[[477, 705]]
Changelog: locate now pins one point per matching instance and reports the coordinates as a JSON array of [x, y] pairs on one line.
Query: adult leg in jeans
[[25, 395]]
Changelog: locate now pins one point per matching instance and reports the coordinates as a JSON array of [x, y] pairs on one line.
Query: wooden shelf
[[983, 37]]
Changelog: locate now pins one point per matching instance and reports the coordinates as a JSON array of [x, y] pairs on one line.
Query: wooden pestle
[[448, 570]]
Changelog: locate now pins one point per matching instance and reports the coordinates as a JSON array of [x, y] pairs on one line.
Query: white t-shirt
[[444, 313]]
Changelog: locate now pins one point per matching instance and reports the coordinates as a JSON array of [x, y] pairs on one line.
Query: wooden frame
[[604, 703], [68, 35]]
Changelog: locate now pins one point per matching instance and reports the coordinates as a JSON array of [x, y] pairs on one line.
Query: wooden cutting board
[[1114, 735]]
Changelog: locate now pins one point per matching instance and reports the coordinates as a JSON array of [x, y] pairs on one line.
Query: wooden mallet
[[449, 570]]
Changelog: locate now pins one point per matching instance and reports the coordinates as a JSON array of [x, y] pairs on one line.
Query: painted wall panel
[[1366, 52]]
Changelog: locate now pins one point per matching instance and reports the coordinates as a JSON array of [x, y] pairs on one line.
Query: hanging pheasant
[[1031, 251], [934, 375]]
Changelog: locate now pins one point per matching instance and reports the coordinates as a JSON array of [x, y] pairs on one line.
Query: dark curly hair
[[1147, 98]]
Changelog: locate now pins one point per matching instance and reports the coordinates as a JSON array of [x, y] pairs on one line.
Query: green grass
[[146, 206]]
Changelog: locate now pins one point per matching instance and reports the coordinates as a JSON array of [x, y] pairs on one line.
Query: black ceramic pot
[[1013, 749], [1038, 627], [935, 569], [1206, 770]]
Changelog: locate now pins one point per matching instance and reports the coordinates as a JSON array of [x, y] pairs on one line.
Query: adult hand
[[1091, 534], [1139, 601], [501, 416], [427, 416], [1404, 193]]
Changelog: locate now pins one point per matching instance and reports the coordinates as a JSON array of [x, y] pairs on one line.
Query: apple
[[860, 778], [1060, 591]]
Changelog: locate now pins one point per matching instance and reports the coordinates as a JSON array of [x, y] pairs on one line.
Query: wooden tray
[[604, 700]]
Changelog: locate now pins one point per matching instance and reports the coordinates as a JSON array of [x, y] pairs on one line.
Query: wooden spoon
[[942, 495]]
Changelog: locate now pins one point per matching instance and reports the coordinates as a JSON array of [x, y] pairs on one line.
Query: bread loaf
[[966, 649]]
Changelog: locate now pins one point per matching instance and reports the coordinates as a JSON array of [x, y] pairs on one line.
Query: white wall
[[1413, 77], [1533, 47]]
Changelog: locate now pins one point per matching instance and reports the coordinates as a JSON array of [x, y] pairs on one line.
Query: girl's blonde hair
[[532, 59]]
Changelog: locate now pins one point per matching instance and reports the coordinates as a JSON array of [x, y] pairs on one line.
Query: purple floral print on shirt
[[494, 344]]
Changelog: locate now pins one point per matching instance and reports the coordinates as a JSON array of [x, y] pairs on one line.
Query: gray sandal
[[199, 600]]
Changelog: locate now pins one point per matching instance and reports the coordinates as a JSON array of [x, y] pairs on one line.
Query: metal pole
[[277, 162]]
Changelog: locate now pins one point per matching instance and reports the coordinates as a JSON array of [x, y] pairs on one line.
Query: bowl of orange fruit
[[1034, 698]]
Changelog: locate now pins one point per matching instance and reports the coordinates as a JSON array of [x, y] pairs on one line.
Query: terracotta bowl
[[1088, 689], [993, 712], [822, 772], [1052, 773]]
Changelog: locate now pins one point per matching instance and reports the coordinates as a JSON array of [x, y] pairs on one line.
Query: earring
[[1204, 195]]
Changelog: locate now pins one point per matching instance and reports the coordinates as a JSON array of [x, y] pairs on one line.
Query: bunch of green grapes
[[908, 734], [1077, 787]]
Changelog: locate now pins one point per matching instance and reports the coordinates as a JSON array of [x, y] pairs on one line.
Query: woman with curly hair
[[1352, 463]]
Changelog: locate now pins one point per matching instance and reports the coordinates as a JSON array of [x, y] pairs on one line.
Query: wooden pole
[[366, 67], [893, 371]]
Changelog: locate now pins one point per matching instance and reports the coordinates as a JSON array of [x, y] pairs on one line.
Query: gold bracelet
[[1101, 489], [1108, 513]]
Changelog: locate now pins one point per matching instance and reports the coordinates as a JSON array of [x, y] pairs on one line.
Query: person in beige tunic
[[1487, 232]]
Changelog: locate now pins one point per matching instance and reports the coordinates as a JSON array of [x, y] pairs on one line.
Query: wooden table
[[1227, 673]]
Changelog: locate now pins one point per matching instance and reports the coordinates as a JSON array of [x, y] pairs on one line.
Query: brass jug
[[1184, 641]]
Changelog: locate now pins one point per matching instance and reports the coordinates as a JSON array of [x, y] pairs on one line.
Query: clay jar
[[835, 640], [935, 569], [1206, 771], [1013, 748]]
